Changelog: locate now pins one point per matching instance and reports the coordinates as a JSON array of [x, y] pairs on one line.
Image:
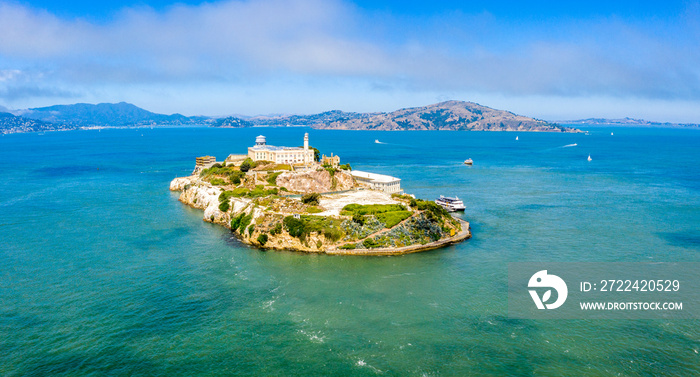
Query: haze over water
[[105, 272]]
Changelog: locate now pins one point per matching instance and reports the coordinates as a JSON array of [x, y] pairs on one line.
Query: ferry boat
[[451, 204], [468, 162]]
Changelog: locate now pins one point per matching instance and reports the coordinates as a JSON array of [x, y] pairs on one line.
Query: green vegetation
[[217, 181], [388, 214], [224, 206], [295, 227], [313, 209], [311, 199], [370, 209], [215, 173], [277, 229], [251, 230], [224, 197], [333, 233], [236, 221], [216, 169], [262, 239], [317, 154], [236, 176], [359, 219], [348, 246], [331, 170], [391, 219], [370, 243], [248, 164], [319, 244], [345, 167], [272, 178], [241, 222], [302, 227], [245, 221], [245, 166], [435, 212], [257, 192]]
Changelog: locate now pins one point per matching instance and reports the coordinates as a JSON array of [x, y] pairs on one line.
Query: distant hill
[[231, 122], [629, 122], [450, 115], [103, 114], [307, 120], [12, 124]]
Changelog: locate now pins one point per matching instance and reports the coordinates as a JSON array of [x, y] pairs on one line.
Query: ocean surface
[[104, 272]]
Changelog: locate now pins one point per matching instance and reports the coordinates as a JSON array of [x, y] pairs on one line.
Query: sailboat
[[589, 158], [516, 138]]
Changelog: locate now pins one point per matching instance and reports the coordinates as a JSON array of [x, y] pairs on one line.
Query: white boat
[[450, 204], [516, 138], [611, 134], [589, 158], [468, 161]]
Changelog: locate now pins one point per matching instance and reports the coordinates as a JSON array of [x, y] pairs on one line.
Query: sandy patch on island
[[332, 204]]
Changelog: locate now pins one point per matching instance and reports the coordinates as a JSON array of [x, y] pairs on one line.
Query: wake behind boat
[[450, 204]]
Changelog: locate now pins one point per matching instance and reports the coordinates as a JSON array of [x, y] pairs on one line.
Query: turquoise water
[[104, 272]]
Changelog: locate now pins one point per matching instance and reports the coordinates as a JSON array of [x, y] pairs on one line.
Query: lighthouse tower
[[306, 141]]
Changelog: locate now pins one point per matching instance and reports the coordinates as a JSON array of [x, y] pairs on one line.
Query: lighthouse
[[306, 141]]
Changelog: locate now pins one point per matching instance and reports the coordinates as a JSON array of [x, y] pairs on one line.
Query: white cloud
[[240, 46]]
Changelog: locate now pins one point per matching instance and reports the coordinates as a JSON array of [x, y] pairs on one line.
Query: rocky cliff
[[316, 181]]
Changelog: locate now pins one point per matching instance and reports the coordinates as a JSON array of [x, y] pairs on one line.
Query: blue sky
[[547, 59]]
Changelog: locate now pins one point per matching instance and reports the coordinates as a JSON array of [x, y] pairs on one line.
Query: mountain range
[[449, 115], [629, 122]]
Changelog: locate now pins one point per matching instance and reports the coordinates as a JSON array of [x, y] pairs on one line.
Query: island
[[293, 198]]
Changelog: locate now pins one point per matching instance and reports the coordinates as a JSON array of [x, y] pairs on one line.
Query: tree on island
[[317, 153]]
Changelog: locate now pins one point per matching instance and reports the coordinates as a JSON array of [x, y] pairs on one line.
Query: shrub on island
[[311, 199]]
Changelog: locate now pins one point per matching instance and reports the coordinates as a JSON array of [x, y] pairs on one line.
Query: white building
[[386, 183], [281, 155]]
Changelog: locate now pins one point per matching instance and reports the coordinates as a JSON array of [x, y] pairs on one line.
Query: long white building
[[281, 155], [386, 183]]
